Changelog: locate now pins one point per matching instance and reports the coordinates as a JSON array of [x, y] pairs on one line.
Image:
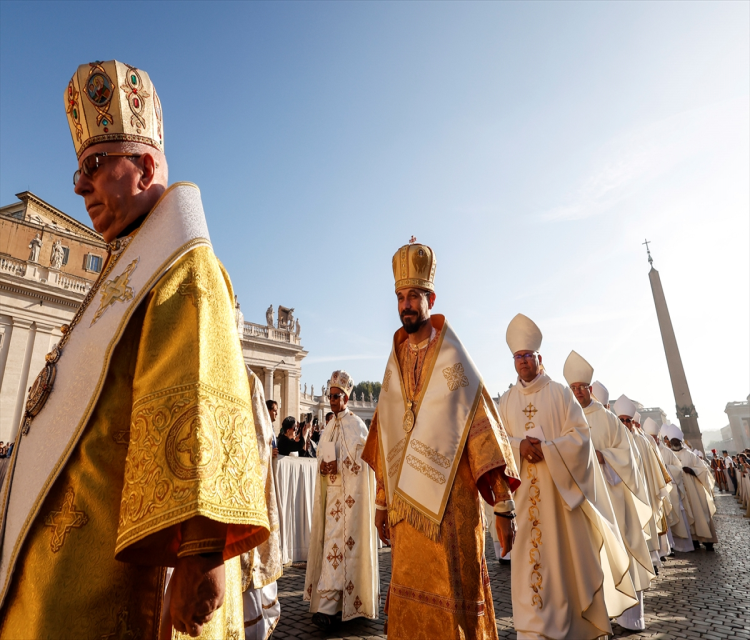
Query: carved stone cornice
[[686, 411], [49, 294]]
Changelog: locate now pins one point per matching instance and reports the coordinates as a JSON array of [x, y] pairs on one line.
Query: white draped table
[[295, 490]]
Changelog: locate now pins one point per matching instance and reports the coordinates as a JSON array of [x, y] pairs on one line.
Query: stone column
[[23, 345], [291, 394], [268, 383]]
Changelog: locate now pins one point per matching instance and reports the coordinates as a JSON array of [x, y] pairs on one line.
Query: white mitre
[[625, 407], [651, 427], [600, 393], [523, 335], [673, 431], [698, 453], [637, 417], [576, 369]]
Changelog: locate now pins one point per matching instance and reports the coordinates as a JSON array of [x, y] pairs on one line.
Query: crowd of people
[[141, 499]]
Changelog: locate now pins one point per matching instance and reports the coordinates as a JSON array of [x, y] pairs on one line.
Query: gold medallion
[[408, 420], [41, 389]]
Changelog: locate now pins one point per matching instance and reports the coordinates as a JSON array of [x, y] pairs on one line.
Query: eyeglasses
[[578, 387], [336, 396], [524, 356], [90, 163], [626, 421]]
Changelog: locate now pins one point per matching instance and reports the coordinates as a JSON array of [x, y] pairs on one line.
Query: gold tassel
[[402, 510]]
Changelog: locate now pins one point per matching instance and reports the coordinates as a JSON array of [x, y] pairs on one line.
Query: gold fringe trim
[[402, 510]]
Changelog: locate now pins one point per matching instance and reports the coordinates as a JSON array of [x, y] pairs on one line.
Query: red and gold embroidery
[[350, 501], [74, 110], [336, 511], [136, 95], [335, 557], [350, 543]]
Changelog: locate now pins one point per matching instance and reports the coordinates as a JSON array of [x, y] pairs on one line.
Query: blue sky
[[533, 145]]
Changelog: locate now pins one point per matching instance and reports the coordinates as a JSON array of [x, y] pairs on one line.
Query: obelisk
[[686, 413]]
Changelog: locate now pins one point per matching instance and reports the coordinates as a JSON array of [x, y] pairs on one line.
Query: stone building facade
[[48, 262], [274, 353], [737, 433]]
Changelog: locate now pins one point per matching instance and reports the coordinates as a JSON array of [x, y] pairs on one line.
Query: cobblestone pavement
[[697, 595]]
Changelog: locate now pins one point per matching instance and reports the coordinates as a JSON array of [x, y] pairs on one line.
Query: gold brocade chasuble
[[159, 433], [421, 461], [440, 587]]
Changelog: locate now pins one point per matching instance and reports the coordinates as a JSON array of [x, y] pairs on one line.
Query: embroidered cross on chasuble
[[439, 578]]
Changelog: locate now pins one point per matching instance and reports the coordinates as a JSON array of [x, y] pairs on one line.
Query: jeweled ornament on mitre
[[343, 381], [414, 266], [113, 102]]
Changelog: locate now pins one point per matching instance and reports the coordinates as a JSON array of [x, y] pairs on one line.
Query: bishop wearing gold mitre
[[137, 450], [438, 449]]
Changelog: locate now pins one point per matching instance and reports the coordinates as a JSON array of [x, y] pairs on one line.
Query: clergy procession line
[[139, 501]]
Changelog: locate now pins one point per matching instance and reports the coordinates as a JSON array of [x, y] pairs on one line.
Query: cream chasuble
[[440, 587], [569, 564], [658, 491], [673, 512], [697, 489], [148, 425], [342, 563], [629, 496], [683, 541]]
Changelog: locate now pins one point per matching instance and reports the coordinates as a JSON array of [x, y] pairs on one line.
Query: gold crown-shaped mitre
[[342, 380], [113, 102], [414, 266]]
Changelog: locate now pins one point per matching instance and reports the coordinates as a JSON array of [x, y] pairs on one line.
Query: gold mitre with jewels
[[341, 380], [414, 266], [113, 102]]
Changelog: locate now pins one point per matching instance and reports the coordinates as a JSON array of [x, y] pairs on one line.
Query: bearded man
[[437, 447], [570, 573], [625, 484], [145, 455], [342, 561]]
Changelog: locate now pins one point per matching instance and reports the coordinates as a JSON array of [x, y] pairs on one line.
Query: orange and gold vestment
[[171, 437], [441, 588]]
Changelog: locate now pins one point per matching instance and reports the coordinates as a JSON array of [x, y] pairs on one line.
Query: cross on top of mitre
[[412, 240]]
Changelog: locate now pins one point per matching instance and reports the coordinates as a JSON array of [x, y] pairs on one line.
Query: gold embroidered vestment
[[441, 589], [171, 438]]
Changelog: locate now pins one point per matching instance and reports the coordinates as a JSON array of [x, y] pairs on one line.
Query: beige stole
[[420, 465], [175, 226]]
